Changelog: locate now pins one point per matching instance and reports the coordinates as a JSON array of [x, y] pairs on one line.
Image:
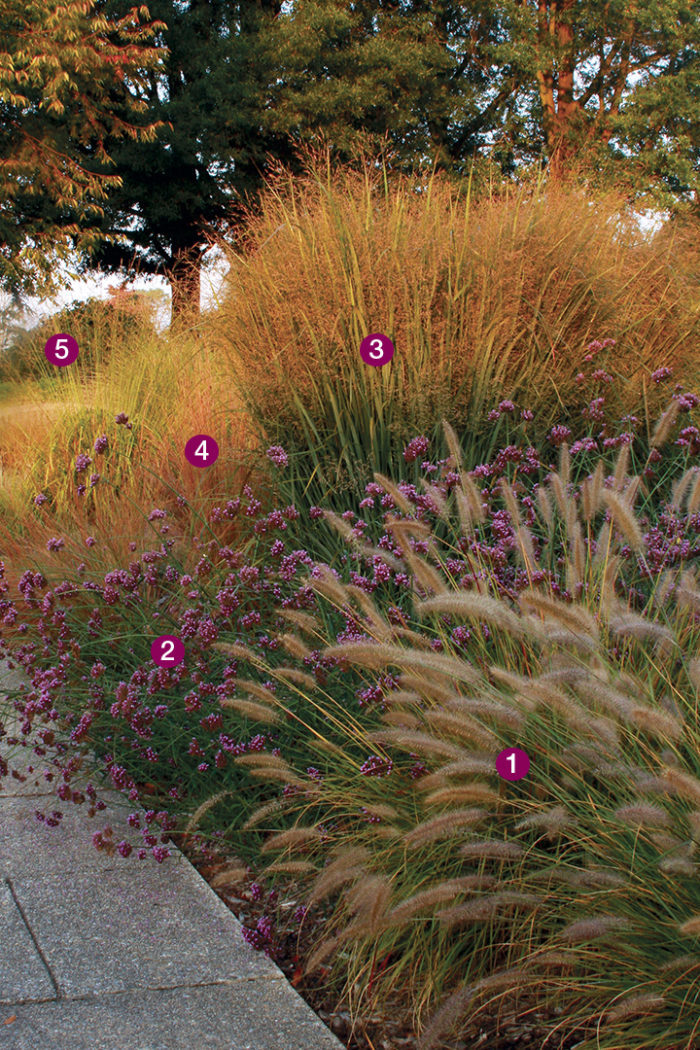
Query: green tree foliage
[[60, 64], [612, 90], [230, 115]]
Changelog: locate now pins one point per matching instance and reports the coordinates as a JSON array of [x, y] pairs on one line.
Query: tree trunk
[[185, 283]]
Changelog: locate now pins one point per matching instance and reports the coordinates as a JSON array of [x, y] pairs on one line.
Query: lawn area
[[392, 582]]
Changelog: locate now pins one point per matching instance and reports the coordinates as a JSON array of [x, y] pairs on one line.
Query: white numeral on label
[[167, 655]]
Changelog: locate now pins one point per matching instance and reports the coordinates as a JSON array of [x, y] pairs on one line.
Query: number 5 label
[[201, 450], [376, 349], [61, 349], [167, 651]]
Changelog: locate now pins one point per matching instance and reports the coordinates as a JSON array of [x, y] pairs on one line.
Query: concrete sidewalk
[[103, 953]]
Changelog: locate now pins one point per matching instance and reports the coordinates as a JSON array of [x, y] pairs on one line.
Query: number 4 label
[[201, 450]]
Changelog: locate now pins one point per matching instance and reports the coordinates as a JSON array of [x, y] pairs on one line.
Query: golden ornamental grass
[[643, 813], [473, 606], [461, 726], [291, 839], [487, 708], [376, 656], [402, 503], [348, 865], [296, 677], [301, 619], [635, 1006], [237, 649], [251, 709], [427, 688], [294, 645], [482, 909], [593, 928], [492, 849], [437, 894], [682, 784], [462, 793], [574, 617], [623, 518], [693, 501], [447, 824], [691, 927], [422, 743]]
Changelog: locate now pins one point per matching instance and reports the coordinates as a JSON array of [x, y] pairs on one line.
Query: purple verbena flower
[[277, 455]]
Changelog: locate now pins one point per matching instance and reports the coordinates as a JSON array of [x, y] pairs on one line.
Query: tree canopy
[[143, 154], [60, 63]]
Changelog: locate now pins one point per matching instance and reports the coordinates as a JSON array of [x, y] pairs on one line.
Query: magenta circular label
[[201, 450], [376, 349], [61, 349], [167, 651], [513, 764]]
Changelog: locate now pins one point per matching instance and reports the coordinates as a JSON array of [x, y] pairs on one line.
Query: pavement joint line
[[37, 946], [86, 997]]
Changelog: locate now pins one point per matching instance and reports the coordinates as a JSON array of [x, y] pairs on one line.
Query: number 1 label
[[513, 764]]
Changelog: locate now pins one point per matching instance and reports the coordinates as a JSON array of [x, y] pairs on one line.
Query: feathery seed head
[[592, 929], [635, 1006], [623, 518], [664, 426], [491, 849], [484, 908], [443, 826]]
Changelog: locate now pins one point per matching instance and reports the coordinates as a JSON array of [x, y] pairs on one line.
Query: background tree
[[229, 114], [609, 90], [614, 90], [58, 64]]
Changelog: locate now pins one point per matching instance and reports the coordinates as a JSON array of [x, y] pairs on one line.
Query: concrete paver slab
[[136, 926], [63, 849], [242, 1015], [23, 975]]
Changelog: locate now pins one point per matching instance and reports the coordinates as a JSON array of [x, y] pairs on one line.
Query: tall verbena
[[466, 896], [485, 297]]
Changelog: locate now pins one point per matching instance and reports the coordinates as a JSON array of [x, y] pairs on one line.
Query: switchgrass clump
[[486, 297], [574, 889]]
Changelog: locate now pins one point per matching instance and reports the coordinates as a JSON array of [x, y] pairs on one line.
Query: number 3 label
[[167, 651], [376, 349], [201, 450], [61, 349]]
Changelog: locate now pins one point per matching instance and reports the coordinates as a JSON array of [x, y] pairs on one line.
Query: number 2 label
[[167, 651]]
